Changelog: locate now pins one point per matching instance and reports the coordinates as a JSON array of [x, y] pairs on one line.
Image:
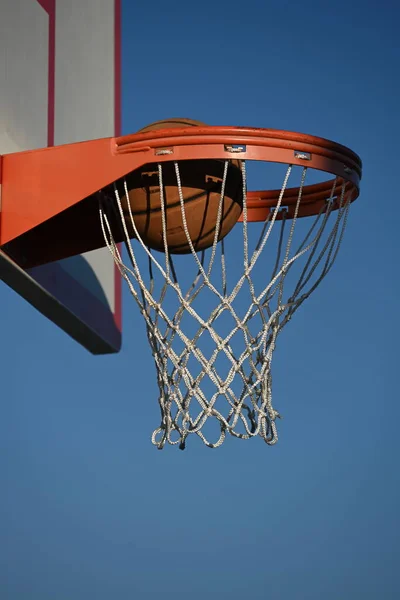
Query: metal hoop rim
[[236, 135], [250, 143]]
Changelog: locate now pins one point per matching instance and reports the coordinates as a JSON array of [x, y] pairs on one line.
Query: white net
[[212, 323]]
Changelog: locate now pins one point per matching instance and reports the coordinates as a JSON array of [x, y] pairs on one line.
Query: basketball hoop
[[212, 323], [189, 337]]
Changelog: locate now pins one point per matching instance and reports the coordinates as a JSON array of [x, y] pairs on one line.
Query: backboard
[[60, 83]]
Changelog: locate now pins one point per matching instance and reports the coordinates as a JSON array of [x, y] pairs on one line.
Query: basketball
[[201, 182]]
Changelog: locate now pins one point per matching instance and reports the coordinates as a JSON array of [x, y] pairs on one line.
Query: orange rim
[[40, 184], [270, 145]]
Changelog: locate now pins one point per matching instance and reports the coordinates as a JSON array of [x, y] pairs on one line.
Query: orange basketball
[[201, 182]]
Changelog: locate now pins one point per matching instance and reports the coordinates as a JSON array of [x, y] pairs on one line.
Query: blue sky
[[90, 509]]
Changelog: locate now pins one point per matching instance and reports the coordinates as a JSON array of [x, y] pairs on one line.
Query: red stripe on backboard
[[117, 131], [117, 68], [50, 7], [47, 5]]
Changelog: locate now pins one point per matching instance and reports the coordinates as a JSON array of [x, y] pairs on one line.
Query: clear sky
[[89, 508]]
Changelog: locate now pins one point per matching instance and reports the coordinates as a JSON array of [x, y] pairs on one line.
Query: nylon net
[[213, 324]]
